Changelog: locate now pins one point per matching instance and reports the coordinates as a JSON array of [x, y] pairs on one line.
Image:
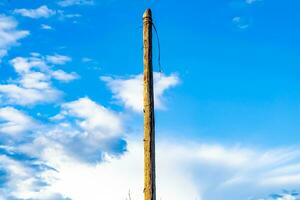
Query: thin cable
[[158, 44]]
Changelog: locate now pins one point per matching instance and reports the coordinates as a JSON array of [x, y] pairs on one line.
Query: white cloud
[[196, 170], [86, 125], [9, 35], [66, 3], [58, 59], [130, 91], [114, 178], [78, 142], [32, 87], [16, 94], [24, 65], [95, 119], [85, 142], [34, 82], [13, 122], [46, 27], [81, 124], [41, 12], [21, 177], [63, 76], [24, 180]]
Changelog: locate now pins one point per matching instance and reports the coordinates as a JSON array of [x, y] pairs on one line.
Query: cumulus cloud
[[96, 118], [196, 170], [34, 82], [24, 177], [82, 123], [41, 12], [24, 65], [85, 142], [33, 172], [67, 3], [129, 91], [14, 122], [16, 94], [32, 86], [63, 76], [95, 129], [9, 35]]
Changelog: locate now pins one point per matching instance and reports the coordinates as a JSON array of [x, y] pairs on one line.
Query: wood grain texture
[[149, 125]]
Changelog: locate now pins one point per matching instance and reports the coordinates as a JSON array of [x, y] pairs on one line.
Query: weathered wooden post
[[149, 127]]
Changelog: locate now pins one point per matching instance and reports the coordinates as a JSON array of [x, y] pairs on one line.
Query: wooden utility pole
[[149, 127]]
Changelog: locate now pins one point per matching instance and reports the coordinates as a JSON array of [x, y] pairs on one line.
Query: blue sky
[[227, 100]]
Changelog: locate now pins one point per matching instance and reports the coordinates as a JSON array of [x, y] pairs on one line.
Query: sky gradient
[[227, 99]]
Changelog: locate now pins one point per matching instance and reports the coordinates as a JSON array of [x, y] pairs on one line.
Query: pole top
[[147, 14]]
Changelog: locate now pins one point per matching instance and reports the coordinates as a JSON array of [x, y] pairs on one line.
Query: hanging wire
[[158, 44]]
